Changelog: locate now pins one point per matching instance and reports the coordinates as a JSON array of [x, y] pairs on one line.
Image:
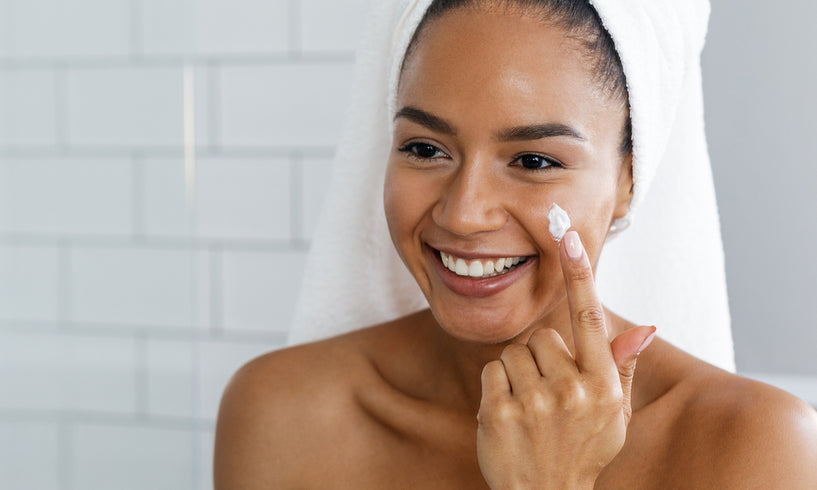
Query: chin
[[476, 325]]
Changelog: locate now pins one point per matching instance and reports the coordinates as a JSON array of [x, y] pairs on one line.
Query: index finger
[[592, 344]]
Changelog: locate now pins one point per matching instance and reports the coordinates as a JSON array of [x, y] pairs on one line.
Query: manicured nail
[[647, 341], [573, 245]]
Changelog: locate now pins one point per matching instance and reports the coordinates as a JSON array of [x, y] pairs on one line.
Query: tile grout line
[[135, 37], [69, 419], [64, 450], [64, 297], [294, 33], [63, 128], [217, 308], [203, 151], [160, 242], [285, 58], [214, 109], [296, 198], [105, 331], [138, 197], [142, 381]]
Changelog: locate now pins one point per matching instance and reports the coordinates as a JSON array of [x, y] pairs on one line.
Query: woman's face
[[499, 117]]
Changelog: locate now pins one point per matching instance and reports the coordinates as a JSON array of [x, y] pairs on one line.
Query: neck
[[458, 363]]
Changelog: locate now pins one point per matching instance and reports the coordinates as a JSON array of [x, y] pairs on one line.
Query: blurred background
[[162, 165]]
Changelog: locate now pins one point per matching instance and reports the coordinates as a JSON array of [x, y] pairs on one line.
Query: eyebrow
[[516, 133], [426, 119], [539, 131]]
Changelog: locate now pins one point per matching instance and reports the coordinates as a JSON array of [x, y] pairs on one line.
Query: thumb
[[626, 347]]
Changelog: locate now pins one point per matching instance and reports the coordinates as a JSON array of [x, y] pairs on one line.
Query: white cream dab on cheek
[[559, 222]]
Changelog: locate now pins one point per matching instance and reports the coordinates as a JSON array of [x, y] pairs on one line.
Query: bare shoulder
[[287, 411], [746, 434]]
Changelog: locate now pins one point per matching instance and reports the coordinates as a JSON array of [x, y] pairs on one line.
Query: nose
[[472, 202]]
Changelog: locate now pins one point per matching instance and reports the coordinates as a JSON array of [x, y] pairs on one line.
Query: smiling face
[[499, 118]]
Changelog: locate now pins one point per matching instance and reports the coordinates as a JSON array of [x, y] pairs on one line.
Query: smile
[[480, 268], [479, 277]]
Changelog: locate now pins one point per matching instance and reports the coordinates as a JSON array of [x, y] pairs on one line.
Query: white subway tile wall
[[68, 196], [33, 459], [131, 457], [29, 282], [128, 297], [74, 28], [130, 106], [317, 174], [28, 107], [124, 286]]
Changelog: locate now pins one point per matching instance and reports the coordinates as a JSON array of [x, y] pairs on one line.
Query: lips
[[473, 277]]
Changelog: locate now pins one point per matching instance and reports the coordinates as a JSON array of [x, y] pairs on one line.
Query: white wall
[[761, 113], [122, 314]]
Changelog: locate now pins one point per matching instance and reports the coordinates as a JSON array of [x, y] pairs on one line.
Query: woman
[[515, 376]]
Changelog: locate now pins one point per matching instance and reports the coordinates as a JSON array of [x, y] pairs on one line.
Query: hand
[[549, 419]]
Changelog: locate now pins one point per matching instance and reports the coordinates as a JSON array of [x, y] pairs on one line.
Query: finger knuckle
[[608, 393], [581, 274], [545, 337], [615, 401], [535, 402], [591, 316], [513, 351], [570, 395], [500, 413], [626, 376]]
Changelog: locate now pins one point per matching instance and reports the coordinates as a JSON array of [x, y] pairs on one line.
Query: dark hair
[[579, 19]]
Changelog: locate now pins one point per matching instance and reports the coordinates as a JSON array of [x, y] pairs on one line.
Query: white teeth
[[452, 264], [475, 269], [462, 268], [478, 268], [500, 264]]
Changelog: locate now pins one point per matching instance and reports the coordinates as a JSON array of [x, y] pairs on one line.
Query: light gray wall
[[760, 87], [123, 315]]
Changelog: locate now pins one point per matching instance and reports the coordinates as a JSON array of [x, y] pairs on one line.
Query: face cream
[[559, 222]]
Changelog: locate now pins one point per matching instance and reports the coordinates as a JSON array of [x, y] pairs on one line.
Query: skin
[[536, 386]]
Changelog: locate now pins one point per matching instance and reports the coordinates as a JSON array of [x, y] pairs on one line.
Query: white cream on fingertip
[[559, 222]]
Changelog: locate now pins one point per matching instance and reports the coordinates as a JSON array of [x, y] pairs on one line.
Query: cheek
[[392, 199], [591, 218], [404, 203], [589, 206]]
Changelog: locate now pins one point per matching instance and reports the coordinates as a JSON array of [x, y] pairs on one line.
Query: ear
[[624, 191]]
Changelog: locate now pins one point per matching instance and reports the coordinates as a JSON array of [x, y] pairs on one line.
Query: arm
[[771, 441], [258, 431], [241, 446]]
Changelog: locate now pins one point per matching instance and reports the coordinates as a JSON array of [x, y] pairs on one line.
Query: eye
[[423, 150], [532, 161]]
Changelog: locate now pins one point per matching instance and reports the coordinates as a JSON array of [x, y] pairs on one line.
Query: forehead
[[508, 68]]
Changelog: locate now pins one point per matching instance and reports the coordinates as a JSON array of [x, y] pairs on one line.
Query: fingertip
[[647, 340], [490, 366], [491, 370], [632, 342], [574, 250], [494, 378]]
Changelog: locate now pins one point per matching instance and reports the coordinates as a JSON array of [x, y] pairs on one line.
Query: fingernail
[[573, 245], [646, 343]]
